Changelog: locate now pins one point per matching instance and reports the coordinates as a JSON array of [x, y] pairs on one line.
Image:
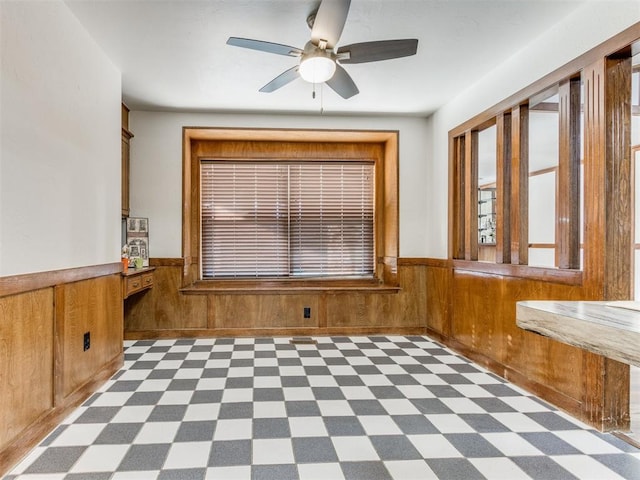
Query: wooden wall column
[[608, 223], [618, 168]]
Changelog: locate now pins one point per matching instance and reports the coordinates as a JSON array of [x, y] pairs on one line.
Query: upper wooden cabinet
[[126, 136]]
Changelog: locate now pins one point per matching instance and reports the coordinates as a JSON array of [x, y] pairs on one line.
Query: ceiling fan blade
[[342, 83], [376, 51], [329, 21], [281, 80], [262, 46]]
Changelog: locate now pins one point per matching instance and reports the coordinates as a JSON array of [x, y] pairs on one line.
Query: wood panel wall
[[165, 311], [93, 306], [163, 307], [472, 310], [26, 361], [44, 370]]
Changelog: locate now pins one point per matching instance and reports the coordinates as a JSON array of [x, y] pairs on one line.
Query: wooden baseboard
[[435, 335], [558, 399], [11, 455], [270, 332], [627, 438]]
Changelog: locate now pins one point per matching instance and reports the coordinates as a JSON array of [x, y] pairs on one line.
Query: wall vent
[[303, 341]]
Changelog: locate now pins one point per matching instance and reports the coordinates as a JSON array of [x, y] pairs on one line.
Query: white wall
[[59, 142], [156, 169], [586, 28]]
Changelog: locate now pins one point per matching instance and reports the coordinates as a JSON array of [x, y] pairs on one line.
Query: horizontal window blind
[[244, 220], [331, 213], [269, 219]]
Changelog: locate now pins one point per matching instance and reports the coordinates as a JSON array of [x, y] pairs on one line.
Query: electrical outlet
[[307, 312], [87, 341]]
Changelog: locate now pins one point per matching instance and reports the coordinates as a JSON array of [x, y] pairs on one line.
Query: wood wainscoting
[[166, 311], [471, 307], [44, 368]]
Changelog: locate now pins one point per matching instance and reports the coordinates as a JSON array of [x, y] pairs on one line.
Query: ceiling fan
[[320, 62]]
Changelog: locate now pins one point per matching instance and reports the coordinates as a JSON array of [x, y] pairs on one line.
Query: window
[[544, 152], [287, 219], [334, 242], [487, 153], [517, 182]]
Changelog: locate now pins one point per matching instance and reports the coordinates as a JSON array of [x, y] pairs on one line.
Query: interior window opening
[[543, 169], [487, 194]]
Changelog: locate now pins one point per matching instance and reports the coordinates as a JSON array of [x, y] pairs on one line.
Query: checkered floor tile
[[374, 408]]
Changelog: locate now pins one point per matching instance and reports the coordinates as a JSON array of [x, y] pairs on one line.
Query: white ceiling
[[173, 53]]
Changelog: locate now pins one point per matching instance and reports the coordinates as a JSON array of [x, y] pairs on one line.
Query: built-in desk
[[136, 280], [610, 331]]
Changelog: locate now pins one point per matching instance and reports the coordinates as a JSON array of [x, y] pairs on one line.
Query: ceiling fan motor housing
[[317, 63]]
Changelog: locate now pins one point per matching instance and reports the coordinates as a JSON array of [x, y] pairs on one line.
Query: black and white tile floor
[[370, 408]]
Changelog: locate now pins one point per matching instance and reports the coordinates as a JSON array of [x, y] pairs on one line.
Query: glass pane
[[543, 165], [487, 194], [542, 208]]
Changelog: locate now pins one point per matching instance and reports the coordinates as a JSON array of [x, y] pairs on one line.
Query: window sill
[[280, 287], [545, 274]]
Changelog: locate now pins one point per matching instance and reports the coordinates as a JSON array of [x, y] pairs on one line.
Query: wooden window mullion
[[519, 213], [503, 186], [458, 198], [471, 195], [568, 177]]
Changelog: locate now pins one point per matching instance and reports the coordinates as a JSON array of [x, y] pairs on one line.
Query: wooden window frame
[[599, 69], [310, 219], [265, 144], [512, 183]]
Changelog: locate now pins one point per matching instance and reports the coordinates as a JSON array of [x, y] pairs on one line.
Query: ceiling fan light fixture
[[320, 58], [317, 68]]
